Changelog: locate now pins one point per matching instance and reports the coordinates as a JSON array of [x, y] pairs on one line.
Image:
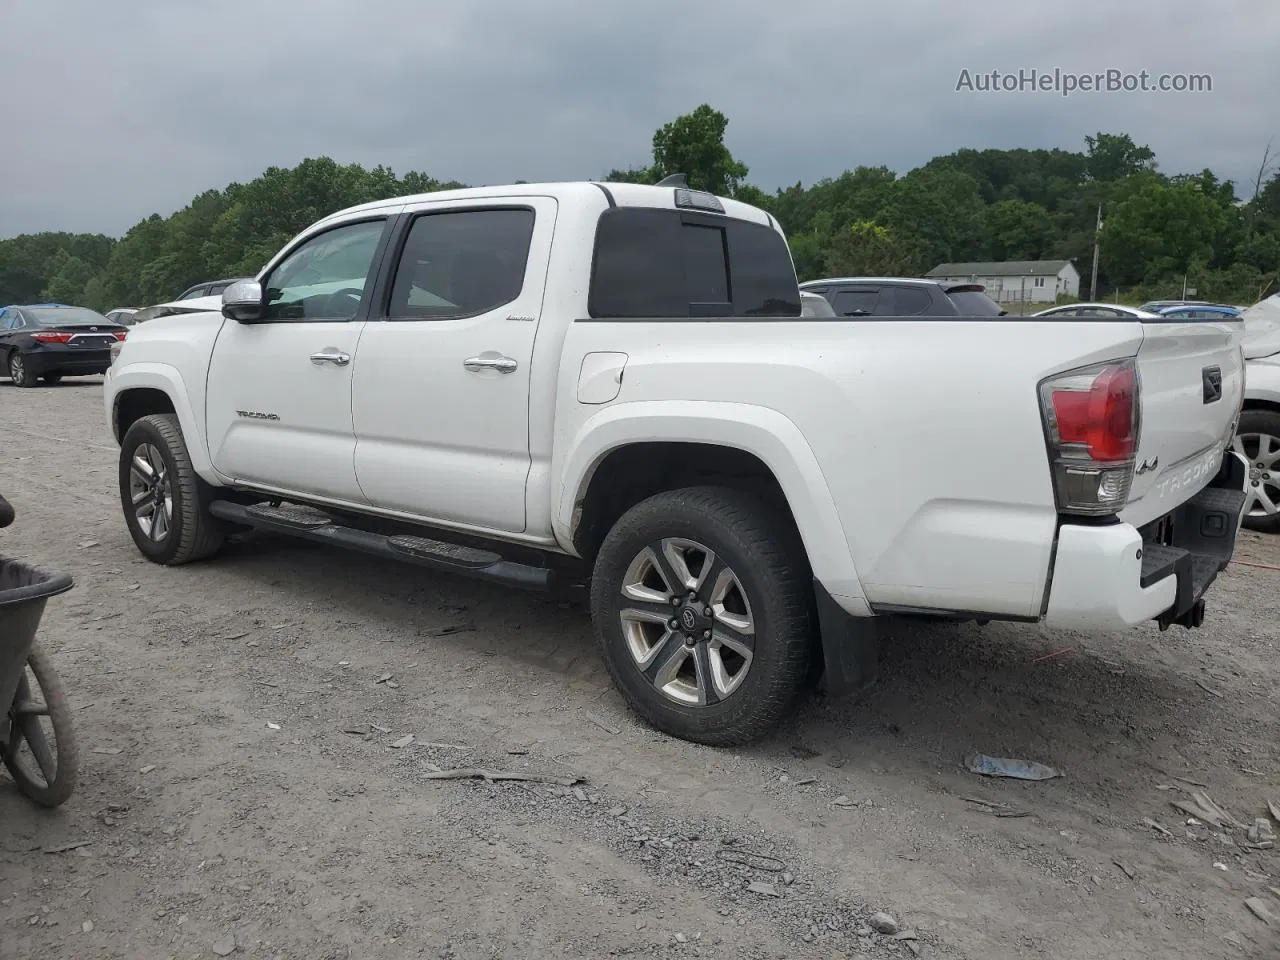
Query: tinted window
[[652, 263], [324, 277], [706, 264], [461, 263], [855, 302], [903, 302], [191, 294], [972, 303]]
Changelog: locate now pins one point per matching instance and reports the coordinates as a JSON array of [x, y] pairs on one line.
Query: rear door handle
[[489, 362], [336, 357]]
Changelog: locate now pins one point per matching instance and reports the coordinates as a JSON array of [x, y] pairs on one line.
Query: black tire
[[57, 791], [768, 565], [1263, 423], [192, 533], [19, 372], [52, 378]]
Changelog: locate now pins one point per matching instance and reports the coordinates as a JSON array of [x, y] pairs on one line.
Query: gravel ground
[[247, 787]]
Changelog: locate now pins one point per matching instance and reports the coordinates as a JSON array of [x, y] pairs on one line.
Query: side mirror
[[242, 302]]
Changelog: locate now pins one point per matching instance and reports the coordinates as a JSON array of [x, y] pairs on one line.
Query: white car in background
[[1258, 436], [1110, 311]]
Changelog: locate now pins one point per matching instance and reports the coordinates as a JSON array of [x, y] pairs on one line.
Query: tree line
[[1159, 230]]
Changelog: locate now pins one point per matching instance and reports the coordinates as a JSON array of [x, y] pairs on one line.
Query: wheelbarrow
[[36, 740]]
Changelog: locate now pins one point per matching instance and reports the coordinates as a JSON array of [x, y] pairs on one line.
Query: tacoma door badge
[[255, 415]]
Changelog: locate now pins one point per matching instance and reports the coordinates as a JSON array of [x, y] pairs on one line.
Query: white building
[[1033, 281]]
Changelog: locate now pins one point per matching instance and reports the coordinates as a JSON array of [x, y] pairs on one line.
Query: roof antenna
[[675, 180]]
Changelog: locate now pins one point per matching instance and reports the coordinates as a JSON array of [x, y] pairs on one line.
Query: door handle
[[336, 357], [501, 364]]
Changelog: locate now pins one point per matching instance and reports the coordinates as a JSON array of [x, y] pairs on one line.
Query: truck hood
[[194, 305], [1262, 329]]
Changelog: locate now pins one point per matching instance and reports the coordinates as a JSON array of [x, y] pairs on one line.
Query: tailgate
[[1192, 385]]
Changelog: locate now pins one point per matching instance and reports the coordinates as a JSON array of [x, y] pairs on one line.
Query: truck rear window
[[674, 264]]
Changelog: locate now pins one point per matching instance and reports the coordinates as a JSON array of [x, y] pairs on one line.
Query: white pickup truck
[[549, 385]]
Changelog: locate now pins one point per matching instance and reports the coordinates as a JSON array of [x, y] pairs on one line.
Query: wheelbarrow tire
[[63, 785]]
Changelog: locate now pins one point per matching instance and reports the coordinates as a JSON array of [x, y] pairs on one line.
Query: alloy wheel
[[687, 622], [1263, 453], [150, 493]]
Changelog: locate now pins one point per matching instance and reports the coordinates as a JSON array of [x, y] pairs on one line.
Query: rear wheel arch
[[760, 449], [633, 472]]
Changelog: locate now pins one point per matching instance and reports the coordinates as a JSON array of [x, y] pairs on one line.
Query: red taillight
[[1092, 419], [51, 337], [1102, 417], [120, 334]]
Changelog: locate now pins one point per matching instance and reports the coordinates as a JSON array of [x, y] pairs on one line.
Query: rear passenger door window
[[461, 263], [903, 302], [855, 301]]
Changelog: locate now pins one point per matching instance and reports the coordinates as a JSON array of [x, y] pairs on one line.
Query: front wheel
[[19, 372], [162, 496], [702, 607], [1258, 440]]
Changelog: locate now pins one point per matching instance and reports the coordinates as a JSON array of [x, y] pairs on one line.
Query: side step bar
[[309, 524]]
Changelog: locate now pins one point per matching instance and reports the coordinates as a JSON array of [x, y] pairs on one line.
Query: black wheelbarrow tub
[[24, 590]]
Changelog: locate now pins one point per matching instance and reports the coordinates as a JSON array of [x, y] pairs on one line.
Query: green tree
[[693, 144], [1164, 230], [939, 212], [1017, 230], [70, 276], [1116, 156], [867, 249]]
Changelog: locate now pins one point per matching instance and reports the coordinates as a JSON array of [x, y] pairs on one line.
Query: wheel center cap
[[692, 620]]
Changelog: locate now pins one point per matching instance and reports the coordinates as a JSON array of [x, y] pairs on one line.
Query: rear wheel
[[702, 607], [163, 499], [19, 372], [1258, 440]]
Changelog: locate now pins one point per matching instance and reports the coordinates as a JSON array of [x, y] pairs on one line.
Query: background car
[[1258, 434], [1201, 311], [814, 305], [121, 315], [1106, 310], [49, 341], [210, 288], [903, 297], [1155, 306]]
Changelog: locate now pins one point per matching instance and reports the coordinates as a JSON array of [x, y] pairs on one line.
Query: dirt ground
[[244, 783]]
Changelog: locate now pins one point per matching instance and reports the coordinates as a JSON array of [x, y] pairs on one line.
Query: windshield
[[66, 317]]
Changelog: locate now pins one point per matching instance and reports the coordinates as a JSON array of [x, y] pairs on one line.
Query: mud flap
[[850, 647]]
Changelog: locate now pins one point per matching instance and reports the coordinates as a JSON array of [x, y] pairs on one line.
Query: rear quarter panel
[[926, 433]]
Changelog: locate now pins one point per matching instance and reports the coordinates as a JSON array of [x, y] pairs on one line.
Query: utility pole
[[1093, 283]]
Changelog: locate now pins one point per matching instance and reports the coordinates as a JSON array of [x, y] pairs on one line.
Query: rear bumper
[[61, 359], [1116, 576]]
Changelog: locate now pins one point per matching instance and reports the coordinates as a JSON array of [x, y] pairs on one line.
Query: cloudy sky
[[110, 111]]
